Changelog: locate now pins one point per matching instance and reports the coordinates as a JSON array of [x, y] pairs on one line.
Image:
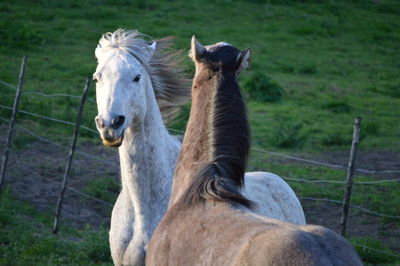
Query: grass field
[[316, 65]]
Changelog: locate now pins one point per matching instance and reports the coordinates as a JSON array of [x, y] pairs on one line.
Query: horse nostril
[[117, 122], [99, 122]]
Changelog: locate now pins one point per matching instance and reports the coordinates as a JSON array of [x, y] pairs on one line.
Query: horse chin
[[113, 143]]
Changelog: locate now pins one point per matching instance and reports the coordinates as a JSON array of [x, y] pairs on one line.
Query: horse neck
[[196, 145], [148, 156]]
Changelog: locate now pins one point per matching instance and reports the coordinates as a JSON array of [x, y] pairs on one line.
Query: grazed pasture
[[321, 63]]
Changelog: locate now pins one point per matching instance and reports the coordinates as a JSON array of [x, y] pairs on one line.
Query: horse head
[[121, 82], [220, 57]]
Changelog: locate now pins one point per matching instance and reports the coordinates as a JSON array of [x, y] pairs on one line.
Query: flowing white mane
[[170, 84]]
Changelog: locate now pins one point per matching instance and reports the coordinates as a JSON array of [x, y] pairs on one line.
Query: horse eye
[[95, 78], [137, 78]]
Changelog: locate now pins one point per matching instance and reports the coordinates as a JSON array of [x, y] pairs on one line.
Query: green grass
[[26, 238], [104, 188], [334, 60], [370, 255]]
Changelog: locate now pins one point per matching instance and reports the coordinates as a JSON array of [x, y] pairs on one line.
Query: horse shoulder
[[274, 197]]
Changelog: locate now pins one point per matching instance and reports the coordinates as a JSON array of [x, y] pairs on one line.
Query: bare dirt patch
[[35, 174], [358, 225]]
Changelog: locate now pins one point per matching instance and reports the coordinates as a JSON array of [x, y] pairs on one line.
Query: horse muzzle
[[111, 131], [111, 139]]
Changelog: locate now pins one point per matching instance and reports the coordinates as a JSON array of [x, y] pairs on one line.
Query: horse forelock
[[221, 56], [170, 83]]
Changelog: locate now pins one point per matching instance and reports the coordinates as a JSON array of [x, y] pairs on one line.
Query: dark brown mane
[[222, 176]]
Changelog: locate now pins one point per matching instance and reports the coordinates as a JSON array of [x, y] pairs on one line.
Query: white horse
[[139, 84]]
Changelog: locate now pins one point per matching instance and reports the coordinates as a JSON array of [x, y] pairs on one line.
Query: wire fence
[[335, 166], [47, 95], [175, 131]]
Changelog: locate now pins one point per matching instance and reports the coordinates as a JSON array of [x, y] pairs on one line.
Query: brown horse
[[208, 221]]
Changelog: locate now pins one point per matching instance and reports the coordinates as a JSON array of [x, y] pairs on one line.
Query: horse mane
[[170, 83], [222, 177]]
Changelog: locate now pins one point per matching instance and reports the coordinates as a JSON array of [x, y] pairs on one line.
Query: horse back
[[218, 234]]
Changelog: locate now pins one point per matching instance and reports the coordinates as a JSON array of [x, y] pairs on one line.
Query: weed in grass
[[262, 88], [304, 30], [96, 247], [330, 26], [335, 139], [288, 135], [16, 35], [286, 68], [20, 142], [5, 205], [369, 128], [26, 240], [370, 255], [310, 69], [104, 188], [393, 91], [338, 107]]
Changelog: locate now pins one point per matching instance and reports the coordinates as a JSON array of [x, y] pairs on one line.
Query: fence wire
[[295, 158], [62, 146], [47, 95], [59, 183], [50, 119], [304, 198], [377, 250], [341, 182], [352, 206], [337, 166], [314, 162]]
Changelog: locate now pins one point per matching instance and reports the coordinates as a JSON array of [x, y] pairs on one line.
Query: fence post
[[71, 154], [350, 173], [12, 121]]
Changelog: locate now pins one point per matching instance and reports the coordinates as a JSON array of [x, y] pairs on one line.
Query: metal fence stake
[[350, 173], [12, 121], [71, 154]]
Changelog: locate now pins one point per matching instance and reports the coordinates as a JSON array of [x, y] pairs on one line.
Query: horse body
[[274, 198], [139, 86], [209, 221], [218, 234]]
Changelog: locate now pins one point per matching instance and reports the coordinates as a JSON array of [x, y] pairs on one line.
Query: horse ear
[[243, 60], [98, 52], [153, 45], [152, 48], [197, 50]]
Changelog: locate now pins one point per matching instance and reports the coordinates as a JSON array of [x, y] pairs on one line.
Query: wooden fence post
[[12, 121], [350, 173], [71, 154]]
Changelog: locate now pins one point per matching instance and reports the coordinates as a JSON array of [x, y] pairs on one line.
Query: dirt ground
[[35, 174]]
